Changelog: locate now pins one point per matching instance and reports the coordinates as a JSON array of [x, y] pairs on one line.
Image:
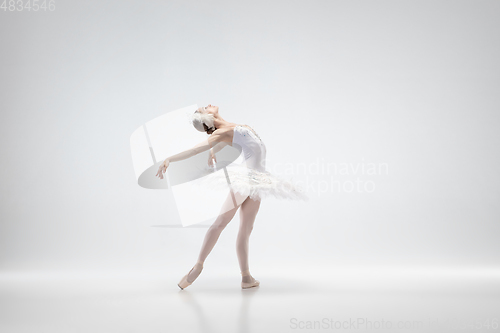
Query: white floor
[[381, 299]]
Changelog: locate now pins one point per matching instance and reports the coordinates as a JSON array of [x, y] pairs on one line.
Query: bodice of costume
[[253, 148]]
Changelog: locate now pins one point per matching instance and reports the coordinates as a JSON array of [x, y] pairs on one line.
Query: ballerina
[[250, 183]]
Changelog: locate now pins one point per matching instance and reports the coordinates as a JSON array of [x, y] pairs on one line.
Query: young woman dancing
[[247, 188]]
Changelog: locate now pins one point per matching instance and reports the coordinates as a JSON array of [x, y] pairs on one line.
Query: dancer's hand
[[163, 167], [211, 159]]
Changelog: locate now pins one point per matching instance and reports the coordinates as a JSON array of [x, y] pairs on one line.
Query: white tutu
[[253, 183]]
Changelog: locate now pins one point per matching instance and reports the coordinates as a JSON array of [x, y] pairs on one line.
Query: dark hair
[[209, 130]]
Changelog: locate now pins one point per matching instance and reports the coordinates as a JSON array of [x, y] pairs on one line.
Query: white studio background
[[409, 86]]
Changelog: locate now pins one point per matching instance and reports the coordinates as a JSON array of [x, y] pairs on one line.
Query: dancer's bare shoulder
[[224, 134]]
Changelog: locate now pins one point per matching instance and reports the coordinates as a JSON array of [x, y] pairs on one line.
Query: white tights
[[248, 212]]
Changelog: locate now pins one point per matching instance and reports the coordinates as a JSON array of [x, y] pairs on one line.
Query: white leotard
[[253, 148]]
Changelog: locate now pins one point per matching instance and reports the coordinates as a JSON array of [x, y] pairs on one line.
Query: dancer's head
[[203, 118]]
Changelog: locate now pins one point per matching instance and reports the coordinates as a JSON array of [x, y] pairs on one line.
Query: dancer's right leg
[[227, 212], [248, 212]]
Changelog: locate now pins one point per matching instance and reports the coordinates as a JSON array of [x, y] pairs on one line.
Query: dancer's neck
[[219, 122]]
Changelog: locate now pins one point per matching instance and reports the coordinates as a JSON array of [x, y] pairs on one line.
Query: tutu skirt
[[253, 183]]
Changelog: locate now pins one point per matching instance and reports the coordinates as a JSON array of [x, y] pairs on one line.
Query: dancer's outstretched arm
[[218, 147], [212, 140]]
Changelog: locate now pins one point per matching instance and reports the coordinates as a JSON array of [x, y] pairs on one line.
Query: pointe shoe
[[184, 283], [246, 285]]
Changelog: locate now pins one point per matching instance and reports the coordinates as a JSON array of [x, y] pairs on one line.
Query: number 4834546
[[29, 5]]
